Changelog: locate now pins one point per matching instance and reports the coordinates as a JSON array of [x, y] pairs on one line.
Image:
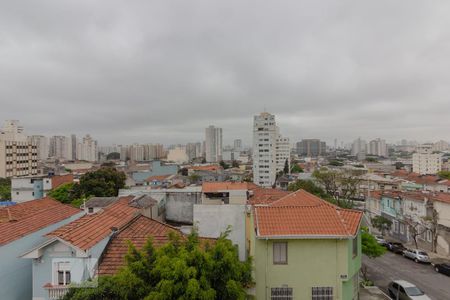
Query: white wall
[[212, 220]]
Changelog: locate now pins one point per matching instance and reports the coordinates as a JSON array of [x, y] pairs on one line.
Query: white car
[[380, 240], [404, 290], [417, 255]]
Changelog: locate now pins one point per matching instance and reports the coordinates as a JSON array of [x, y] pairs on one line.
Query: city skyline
[[159, 72]]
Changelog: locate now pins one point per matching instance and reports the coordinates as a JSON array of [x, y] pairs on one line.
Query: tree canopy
[[181, 269], [105, 182], [444, 174], [5, 189], [381, 223], [370, 246], [296, 168], [113, 155]]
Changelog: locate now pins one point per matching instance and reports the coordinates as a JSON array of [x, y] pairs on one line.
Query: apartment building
[[270, 150], [18, 156], [311, 148], [61, 147], [425, 161], [377, 147], [213, 144], [43, 145], [87, 149]]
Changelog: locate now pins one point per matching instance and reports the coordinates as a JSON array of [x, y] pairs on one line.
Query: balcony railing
[[57, 292]]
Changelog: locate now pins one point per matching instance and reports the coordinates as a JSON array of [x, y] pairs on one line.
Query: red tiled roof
[[91, 229], [137, 232], [212, 187], [61, 179], [303, 214], [157, 178], [266, 196], [441, 197], [31, 216], [206, 168]]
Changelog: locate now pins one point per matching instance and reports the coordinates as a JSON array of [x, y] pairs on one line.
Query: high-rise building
[[87, 149], [42, 143], [74, 143], [377, 147], [425, 161], [311, 148], [18, 155], [61, 147], [153, 151], [193, 150], [267, 143], [237, 145], [441, 146], [359, 147], [282, 153], [136, 152], [213, 144]]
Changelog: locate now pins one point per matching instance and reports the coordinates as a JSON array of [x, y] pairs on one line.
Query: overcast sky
[[161, 71]]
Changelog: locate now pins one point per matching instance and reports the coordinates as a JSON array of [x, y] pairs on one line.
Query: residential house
[[22, 227], [305, 248], [71, 253], [36, 187], [156, 169]]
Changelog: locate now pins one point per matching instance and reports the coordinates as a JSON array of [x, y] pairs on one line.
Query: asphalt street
[[388, 267]]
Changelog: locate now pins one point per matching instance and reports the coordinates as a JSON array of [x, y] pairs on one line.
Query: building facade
[[311, 148], [18, 155], [377, 147], [425, 161], [213, 144]]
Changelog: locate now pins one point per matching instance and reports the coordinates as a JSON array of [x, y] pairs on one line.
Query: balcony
[[56, 292]]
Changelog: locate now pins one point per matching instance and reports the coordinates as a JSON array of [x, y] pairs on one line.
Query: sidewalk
[[372, 293]]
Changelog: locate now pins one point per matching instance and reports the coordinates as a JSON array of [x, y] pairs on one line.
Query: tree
[[329, 179], [105, 182], [416, 228], [336, 163], [399, 165], [113, 156], [309, 186], [181, 269], [370, 248], [296, 168], [235, 164], [286, 167], [444, 174], [5, 189], [224, 165], [381, 223], [371, 159], [431, 223], [183, 172]]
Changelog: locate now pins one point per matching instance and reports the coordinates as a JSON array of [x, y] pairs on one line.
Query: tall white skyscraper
[[359, 147], [18, 155], [61, 147], [237, 145], [87, 149], [377, 147], [213, 144], [42, 143], [270, 150], [425, 161]]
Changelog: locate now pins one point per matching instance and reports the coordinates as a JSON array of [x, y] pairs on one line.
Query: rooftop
[[88, 230], [215, 187], [25, 218], [301, 214], [136, 232]]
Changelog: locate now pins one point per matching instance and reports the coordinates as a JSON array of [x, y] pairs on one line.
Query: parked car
[[380, 240], [417, 255], [442, 268], [395, 247], [403, 290]]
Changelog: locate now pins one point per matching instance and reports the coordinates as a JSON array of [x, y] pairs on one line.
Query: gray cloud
[[161, 71]]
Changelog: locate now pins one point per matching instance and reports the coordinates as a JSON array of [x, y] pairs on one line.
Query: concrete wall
[[180, 206], [212, 220], [15, 272]]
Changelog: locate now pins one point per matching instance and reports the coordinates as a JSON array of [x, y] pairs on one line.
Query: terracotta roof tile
[[31, 216], [266, 195], [303, 214], [206, 168], [212, 187], [136, 232], [91, 229], [57, 180], [157, 178]]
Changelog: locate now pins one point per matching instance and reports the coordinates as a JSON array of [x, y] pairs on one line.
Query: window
[[429, 236], [402, 228], [283, 293], [63, 273], [322, 293], [90, 210], [280, 253], [355, 246]]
